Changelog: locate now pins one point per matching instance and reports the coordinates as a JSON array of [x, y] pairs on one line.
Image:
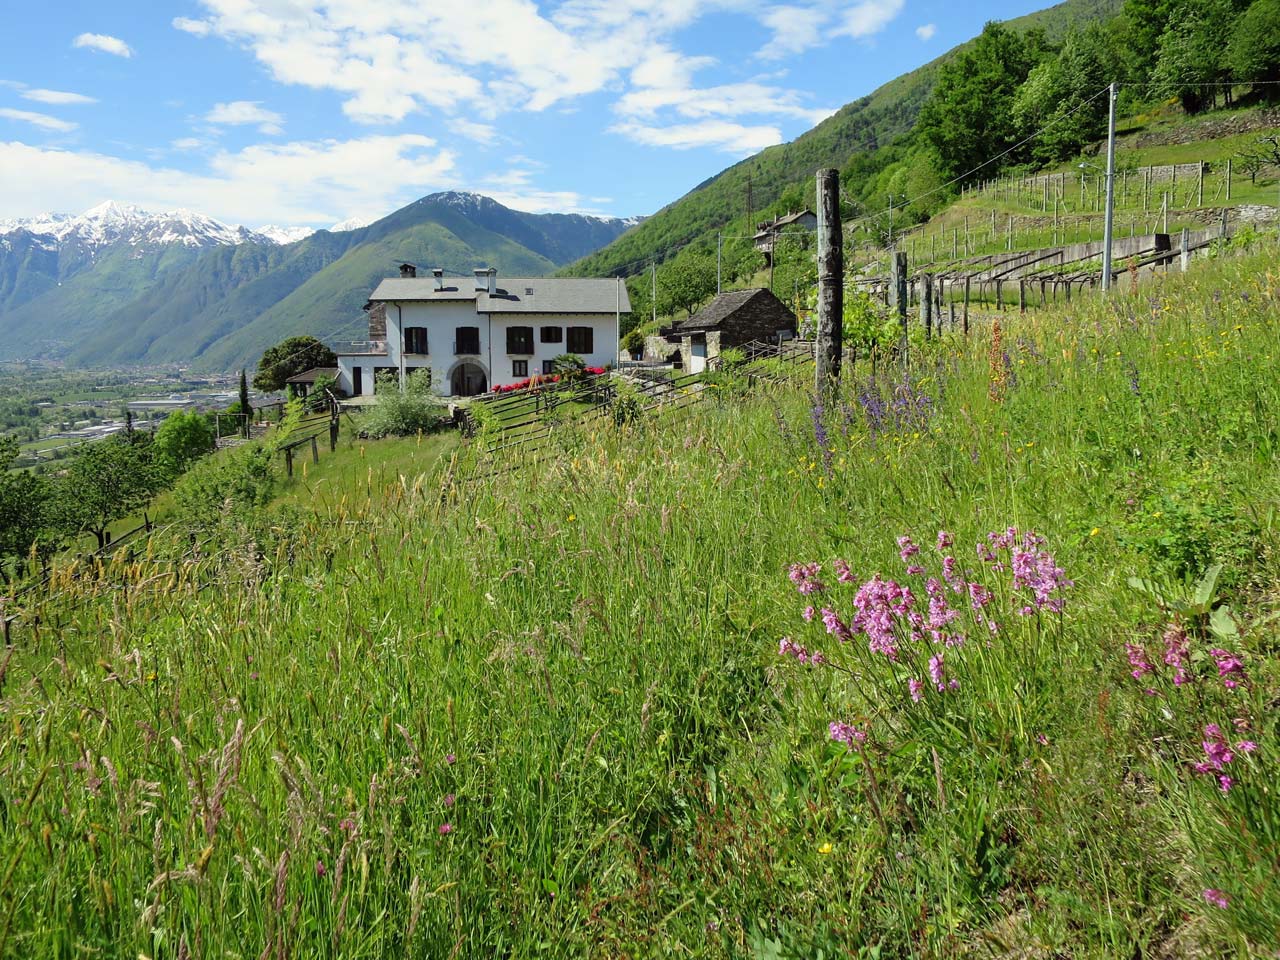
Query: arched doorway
[[468, 380]]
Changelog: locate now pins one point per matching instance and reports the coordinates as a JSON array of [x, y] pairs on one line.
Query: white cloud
[[727, 100], [246, 112], [722, 135], [542, 201], [56, 97], [484, 133], [101, 41], [41, 120], [926, 31], [188, 143], [795, 30], [313, 183], [199, 28], [868, 17]]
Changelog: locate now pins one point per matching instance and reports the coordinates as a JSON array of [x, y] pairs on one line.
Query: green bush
[[397, 414], [236, 483], [182, 439]]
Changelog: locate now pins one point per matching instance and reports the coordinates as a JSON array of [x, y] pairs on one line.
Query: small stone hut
[[731, 320]]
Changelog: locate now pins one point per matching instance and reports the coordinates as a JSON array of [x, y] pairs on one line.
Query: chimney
[[493, 281], [438, 275], [482, 279], [408, 270]]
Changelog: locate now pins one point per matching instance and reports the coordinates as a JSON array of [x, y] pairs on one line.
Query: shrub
[[397, 414], [569, 365], [183, 438], [235, 483]]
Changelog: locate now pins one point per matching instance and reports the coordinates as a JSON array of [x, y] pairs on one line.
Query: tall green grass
[[544, 713]]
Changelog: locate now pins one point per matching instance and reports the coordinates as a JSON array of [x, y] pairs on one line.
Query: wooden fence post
[[288, 461], [1022, 296], [966, 305], [898, 281], [828, 349], [999, 295], [926, 304], [315, 450], [1184, 255], [1228, 179]]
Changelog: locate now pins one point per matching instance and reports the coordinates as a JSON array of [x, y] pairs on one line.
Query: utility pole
[[653, 295], [1111, 188], [719, 248], [828, 349]]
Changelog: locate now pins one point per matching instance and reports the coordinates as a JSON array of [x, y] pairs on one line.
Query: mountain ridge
[[145, 296]]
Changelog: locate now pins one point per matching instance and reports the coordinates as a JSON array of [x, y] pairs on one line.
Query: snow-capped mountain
[[111, 223], [284, 235], [351, 223]]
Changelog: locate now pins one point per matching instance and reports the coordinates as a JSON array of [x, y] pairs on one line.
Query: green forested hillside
[[783, 172]]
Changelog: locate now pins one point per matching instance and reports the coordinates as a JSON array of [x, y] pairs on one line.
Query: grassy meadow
[[546, 713]]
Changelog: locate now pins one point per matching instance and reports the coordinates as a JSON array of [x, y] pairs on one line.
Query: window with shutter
[[552, 334], [548, 367], [519, 368], [519, 339], [581, 340], [415, 340], [467, 341]]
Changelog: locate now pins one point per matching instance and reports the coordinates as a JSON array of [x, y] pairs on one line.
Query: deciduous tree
[[291, 357]]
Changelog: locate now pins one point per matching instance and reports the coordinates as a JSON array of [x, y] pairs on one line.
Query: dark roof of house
[[723, 307], [779, 222], [549, 294], [314, 374]]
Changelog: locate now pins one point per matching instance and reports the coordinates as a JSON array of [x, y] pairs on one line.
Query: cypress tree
[[245, 409]]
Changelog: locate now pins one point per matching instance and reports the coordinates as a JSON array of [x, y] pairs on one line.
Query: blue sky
[[307, 112]]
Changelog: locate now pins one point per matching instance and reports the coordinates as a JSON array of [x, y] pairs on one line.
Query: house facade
[[475, 334]]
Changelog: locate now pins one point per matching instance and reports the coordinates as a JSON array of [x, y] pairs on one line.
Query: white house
[[474, 336]]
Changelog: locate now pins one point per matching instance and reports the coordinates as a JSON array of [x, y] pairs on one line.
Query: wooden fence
[[658, 391]]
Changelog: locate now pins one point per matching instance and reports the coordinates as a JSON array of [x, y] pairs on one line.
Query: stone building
[[731, 320]]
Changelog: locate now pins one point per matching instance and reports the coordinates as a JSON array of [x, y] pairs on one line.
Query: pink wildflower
[[321, 869], [789, 648], [949, 574], [1138, 661], [907, 548], [445, 829], [450, 759], [916, 688], [808, 613], [1229, 667], [945, 540], [1218, 755], [937, 672], [1175, 653], [835, 626], [842, 571], [805, 577], [846, 734], [1246, 746], [450, 799], [1215, 898]]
